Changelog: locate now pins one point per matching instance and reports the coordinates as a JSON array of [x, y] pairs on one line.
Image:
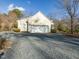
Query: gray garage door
[[38, 28]]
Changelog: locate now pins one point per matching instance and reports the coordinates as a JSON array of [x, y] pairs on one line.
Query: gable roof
[[39, 15], [38, 19]]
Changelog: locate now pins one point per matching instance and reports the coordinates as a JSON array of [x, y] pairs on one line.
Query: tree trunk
[[71, 25], [27, 26]]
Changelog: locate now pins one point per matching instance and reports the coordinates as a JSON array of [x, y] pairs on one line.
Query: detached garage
[[36, 24]]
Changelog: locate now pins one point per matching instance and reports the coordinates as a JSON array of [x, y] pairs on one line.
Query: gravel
[[41, 46]]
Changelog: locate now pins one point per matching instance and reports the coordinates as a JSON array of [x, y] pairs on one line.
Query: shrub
[[66, 30], [53, 30], [77, 30], [16, 30], [5, 44]]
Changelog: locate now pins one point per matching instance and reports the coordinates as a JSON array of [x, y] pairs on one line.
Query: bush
[[66, 30], [16, 30], [53, 30], [77, 30]]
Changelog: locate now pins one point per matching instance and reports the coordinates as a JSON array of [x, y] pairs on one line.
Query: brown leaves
[[5, 44], [7, 21]]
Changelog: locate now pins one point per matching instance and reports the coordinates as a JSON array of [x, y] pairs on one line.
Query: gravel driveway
[[41, 46]]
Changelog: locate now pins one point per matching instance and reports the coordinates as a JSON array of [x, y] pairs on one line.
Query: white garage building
[[36, 24]]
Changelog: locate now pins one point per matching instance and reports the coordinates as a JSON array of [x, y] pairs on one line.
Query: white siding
[[22, 25]]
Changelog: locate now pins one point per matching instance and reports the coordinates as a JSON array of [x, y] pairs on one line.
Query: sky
[[32, 6]]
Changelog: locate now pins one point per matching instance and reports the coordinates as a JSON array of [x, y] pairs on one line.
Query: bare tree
[[71, 8]]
